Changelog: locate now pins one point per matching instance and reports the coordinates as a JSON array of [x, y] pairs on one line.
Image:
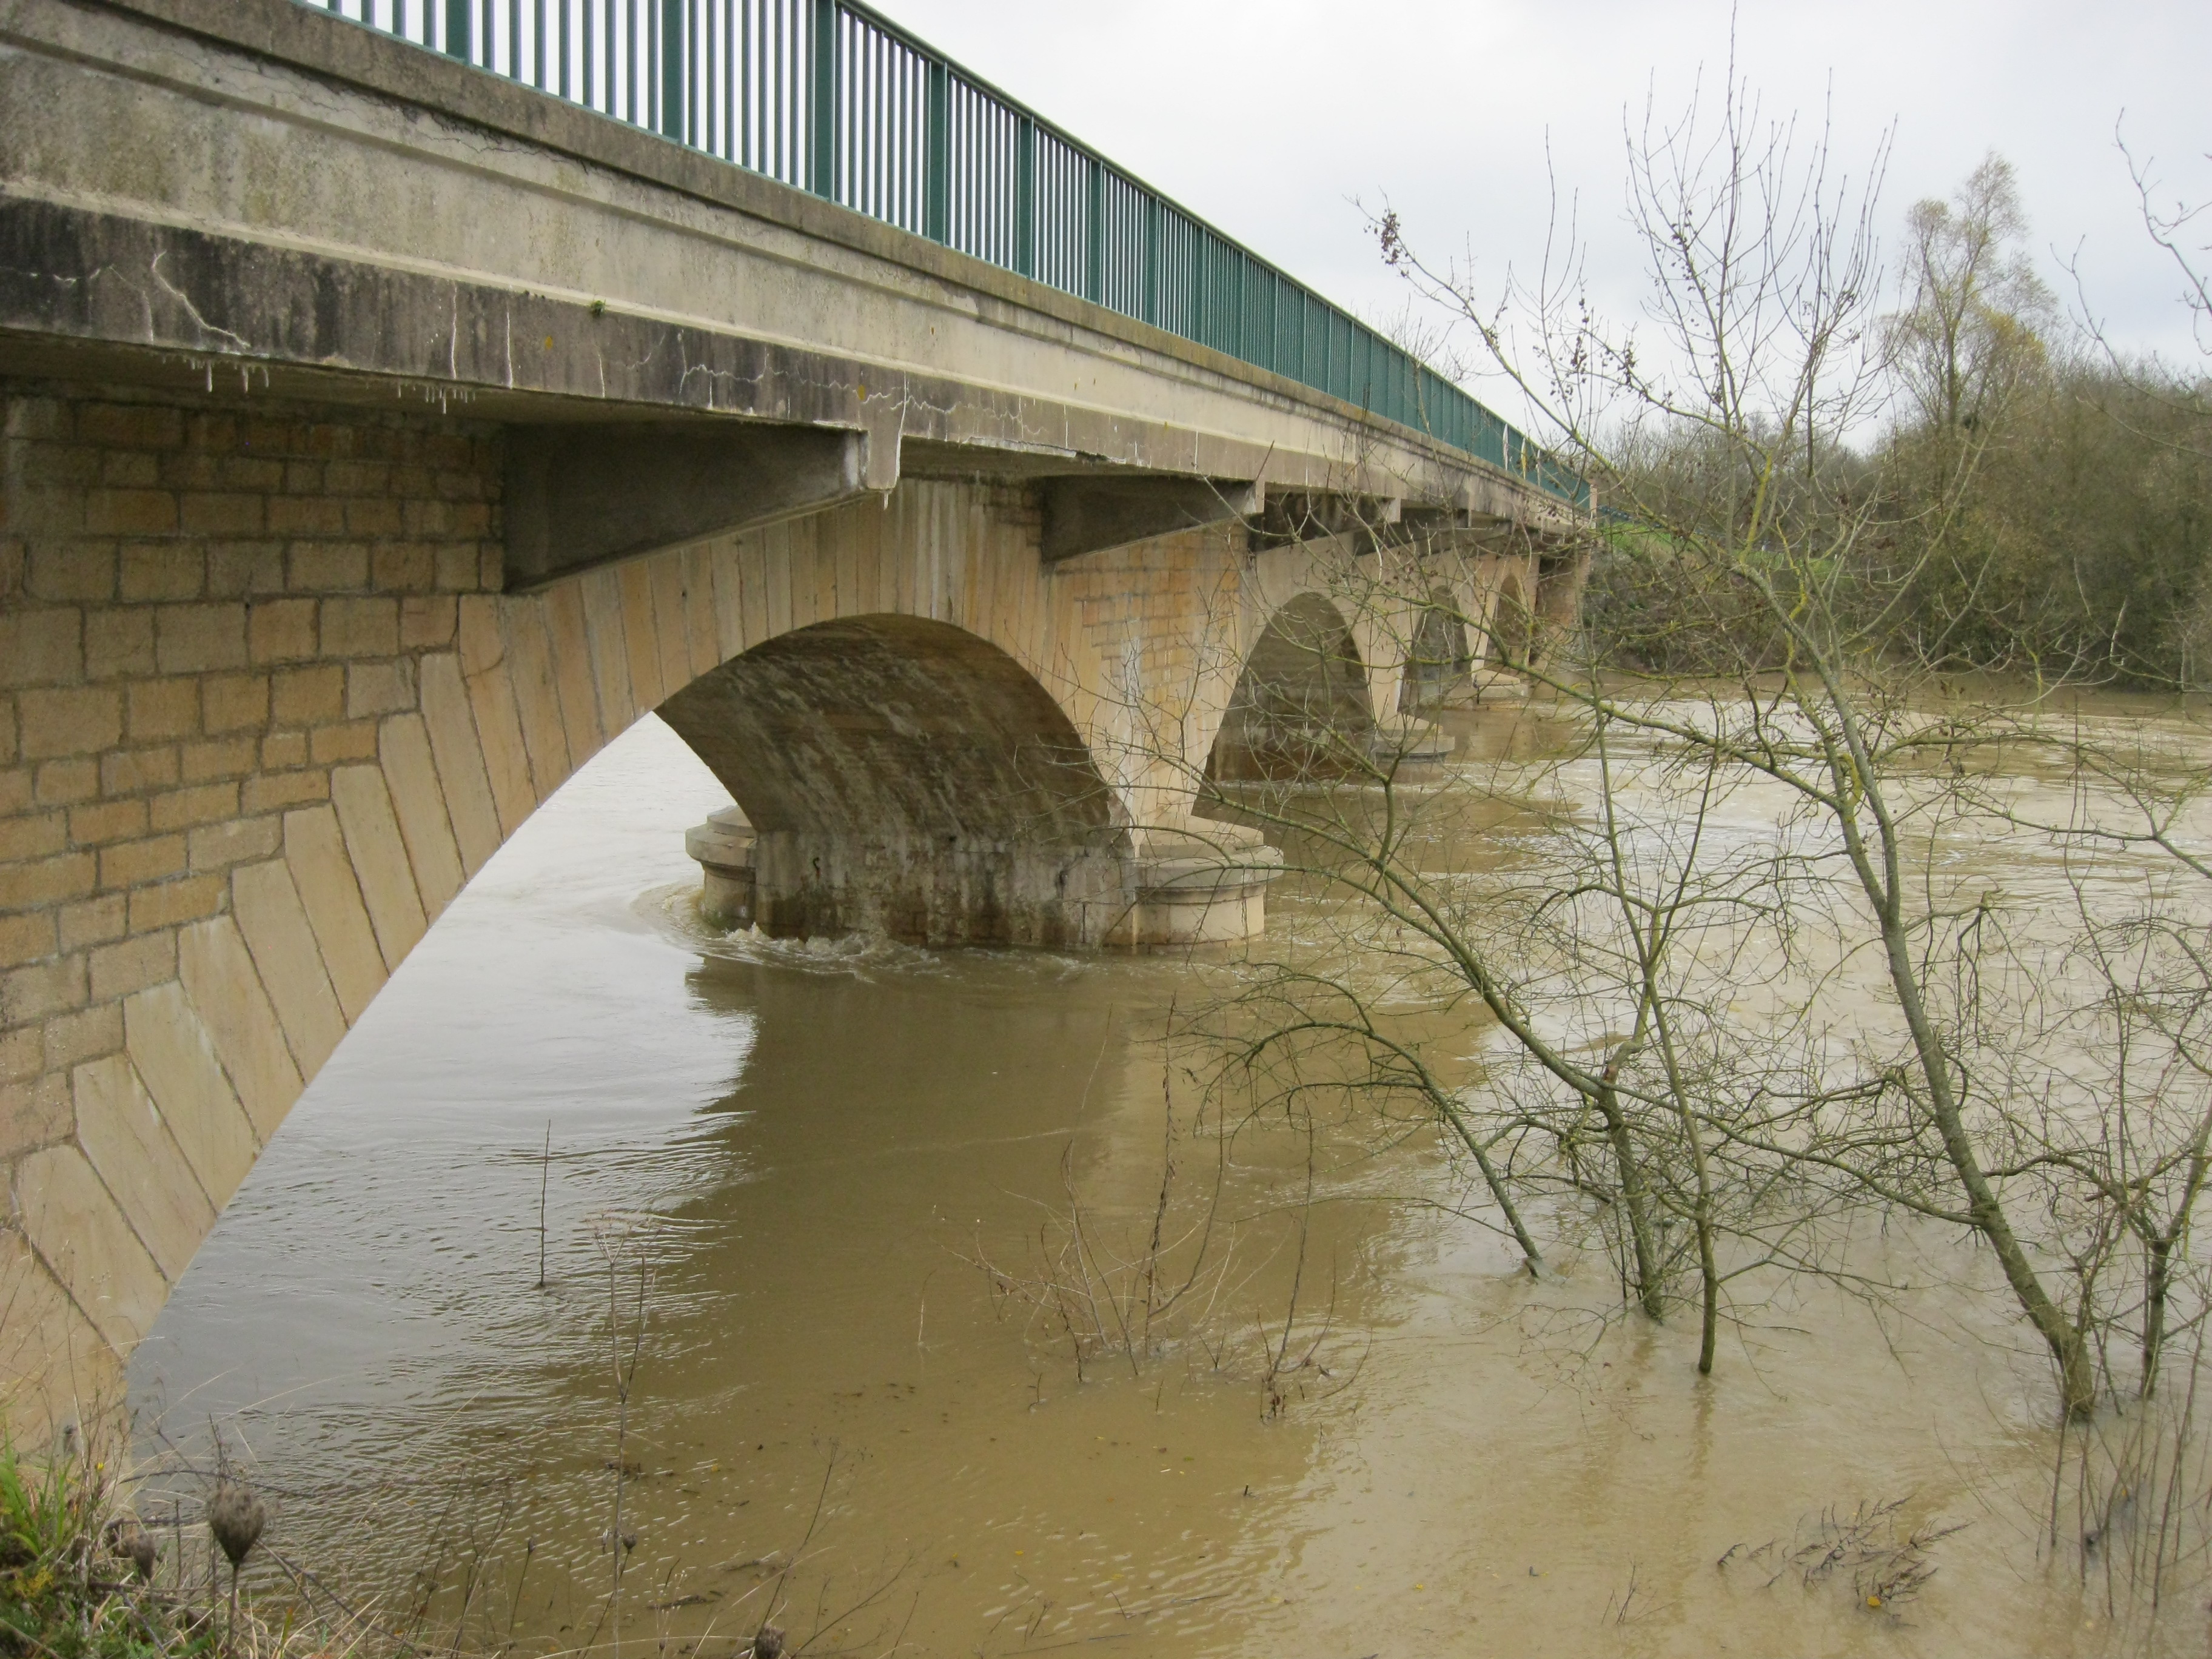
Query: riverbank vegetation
[[103, 1558], [1843, 877], [81, 1576], [1820, 512]]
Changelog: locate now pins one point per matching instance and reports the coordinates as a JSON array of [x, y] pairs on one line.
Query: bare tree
[[1731, 453]]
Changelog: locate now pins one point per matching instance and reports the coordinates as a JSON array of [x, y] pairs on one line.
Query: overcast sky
[[1270, 118]]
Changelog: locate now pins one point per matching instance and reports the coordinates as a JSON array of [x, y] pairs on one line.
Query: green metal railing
[[832, 97]]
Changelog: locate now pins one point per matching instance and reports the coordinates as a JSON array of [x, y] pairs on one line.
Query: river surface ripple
[[792, 1160]]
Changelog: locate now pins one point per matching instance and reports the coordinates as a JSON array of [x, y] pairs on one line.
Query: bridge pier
[[724, 849], [1183, 893], [902, 776]]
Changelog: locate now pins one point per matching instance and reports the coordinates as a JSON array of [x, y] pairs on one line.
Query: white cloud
[[1269, 118]]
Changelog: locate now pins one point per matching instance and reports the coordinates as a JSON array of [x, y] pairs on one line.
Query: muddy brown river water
[[792, 1159]]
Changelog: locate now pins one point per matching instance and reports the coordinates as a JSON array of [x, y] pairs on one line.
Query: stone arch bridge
[[381, 437]]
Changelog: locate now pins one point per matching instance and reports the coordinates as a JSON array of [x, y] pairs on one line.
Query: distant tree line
[[2037, 503]]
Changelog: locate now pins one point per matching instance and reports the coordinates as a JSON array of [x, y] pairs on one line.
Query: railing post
[[936, 204], [1208, 299], [673, 84], [457, 30], [1268, 320], [1094, 234], [1153, 259], [1025, 196], [1241, 315], [823, 114]]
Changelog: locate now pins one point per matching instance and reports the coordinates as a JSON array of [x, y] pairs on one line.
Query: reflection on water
[[765, 1174]]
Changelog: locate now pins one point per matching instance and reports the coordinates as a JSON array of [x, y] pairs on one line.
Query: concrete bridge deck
[[380, 439]]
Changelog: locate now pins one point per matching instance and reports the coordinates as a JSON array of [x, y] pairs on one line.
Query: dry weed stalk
[[1129, 1300], [1172, 1282], [1886, 1562]]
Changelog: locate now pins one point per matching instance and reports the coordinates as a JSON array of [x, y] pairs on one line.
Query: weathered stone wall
[[262, 715], [213, 628]]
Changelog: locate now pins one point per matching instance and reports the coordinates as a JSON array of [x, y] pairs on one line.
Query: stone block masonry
[[215, 623], [263, 711]]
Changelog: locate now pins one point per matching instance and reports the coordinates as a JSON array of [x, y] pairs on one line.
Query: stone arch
[[418, 717], [1302, 707], [902, 774], [1440, 661]]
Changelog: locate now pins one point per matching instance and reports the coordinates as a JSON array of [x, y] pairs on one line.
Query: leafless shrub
[[1885, 1560]]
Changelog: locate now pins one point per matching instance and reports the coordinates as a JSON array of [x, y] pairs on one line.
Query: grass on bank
[[81, 1576], [76, 1568]]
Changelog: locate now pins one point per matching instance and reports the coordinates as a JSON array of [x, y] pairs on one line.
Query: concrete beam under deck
[[1099, 513], [579, 496]]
